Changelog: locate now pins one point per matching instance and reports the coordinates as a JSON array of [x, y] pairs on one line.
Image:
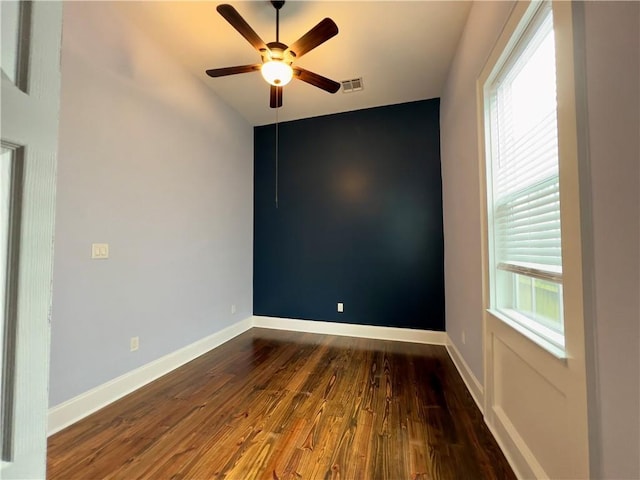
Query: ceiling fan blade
[[319, 34], [316, 80], [222, 72], [275, 97], [232, 16]]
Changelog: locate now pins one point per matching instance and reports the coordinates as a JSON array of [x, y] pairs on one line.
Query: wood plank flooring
[[282, 405]]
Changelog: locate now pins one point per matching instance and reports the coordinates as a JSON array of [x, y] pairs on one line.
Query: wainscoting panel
[[528, 401]]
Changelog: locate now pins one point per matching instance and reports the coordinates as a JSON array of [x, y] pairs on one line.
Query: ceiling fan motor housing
[[277, 51]]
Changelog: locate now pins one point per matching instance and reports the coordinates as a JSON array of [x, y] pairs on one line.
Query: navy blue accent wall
[[359, 218]]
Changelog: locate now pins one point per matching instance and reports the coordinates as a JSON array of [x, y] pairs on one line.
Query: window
[[523, 182]]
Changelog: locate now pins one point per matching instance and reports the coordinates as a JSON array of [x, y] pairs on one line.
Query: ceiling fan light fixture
[[277, 57], [277, 72]]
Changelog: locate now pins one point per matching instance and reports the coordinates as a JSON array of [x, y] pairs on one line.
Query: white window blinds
[[524, 151]]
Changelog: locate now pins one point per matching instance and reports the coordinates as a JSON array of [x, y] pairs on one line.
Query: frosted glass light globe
[[277, 73]]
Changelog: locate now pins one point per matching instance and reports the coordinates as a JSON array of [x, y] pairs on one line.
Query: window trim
[[517, 45], [567, 370], [569, 172]]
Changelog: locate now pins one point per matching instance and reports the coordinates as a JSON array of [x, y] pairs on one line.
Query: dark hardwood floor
[[282, 405]]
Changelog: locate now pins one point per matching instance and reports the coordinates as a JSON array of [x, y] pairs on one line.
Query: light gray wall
[[612, 33], [461, 181], [153, 163]]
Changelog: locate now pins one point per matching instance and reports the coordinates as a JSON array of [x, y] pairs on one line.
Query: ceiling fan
[[277, 58]]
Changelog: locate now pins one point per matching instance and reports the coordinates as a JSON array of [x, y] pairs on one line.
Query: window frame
[[569, 177]]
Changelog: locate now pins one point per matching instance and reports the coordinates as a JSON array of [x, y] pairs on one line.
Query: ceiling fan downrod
[[277, 4]]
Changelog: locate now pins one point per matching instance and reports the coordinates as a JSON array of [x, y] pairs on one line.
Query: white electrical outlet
[[233, 309], [340, 307], [99, 251], [134, 343]]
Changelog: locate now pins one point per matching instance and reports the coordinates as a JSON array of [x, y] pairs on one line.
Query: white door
[[30, 98]]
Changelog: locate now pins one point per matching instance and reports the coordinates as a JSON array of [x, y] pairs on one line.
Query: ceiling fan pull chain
[[277, 137]]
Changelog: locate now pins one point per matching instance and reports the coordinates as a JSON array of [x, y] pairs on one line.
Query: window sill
[[555, 350]]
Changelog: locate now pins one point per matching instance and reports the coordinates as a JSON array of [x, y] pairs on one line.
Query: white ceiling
[[401, 49]]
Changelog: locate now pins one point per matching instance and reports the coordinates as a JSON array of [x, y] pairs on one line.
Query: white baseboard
[[69, 412], [470, 380], [518, 456], [352, 330], [522, 460], [72, 410]]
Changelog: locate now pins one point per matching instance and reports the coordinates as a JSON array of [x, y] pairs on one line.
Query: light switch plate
[[99, 251]]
